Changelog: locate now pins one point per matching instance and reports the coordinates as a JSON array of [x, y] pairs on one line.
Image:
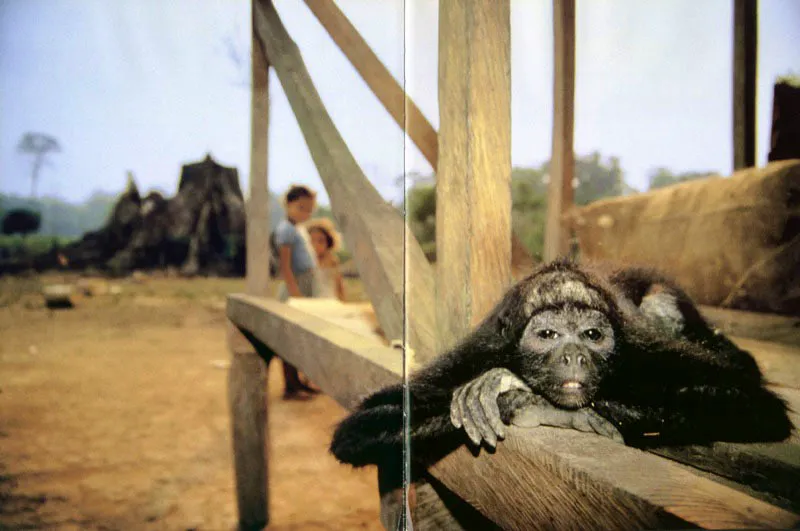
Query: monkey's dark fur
[[620, 352]]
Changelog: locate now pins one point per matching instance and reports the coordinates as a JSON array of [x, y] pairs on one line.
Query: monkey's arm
[[373, 434]]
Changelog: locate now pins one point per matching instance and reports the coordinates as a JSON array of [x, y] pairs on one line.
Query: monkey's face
[[564, 352]]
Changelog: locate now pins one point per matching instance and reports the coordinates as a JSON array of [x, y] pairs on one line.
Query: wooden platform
[[727, 486]]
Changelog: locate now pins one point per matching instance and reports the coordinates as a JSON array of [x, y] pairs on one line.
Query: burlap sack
[[731, 242]]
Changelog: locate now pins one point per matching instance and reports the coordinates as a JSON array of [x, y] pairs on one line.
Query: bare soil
[[113, 415]]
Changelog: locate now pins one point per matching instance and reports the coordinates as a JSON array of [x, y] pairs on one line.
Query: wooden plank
[[377, 77], [770, 469], [745, 57], [576, 478], [560, 191], [752, 325], [473, 188], [247, 388], [347, 366], [356, 317], [375, 231], [537, 476]]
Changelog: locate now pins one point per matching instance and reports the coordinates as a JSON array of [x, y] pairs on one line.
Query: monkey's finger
[[466, 416], [455, 408], [488, 392], [475, 407]]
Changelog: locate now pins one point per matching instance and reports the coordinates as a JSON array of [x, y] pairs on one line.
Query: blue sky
[[148, 85]]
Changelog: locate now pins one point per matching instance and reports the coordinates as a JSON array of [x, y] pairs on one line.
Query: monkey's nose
[[579, 359]]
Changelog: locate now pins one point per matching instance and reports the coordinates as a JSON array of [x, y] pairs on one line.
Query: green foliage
[[21, 221], [63, 219], [595, 177], [34, 244], [661, 177]]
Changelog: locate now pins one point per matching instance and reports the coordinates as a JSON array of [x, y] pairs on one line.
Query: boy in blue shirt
[[297, 266]]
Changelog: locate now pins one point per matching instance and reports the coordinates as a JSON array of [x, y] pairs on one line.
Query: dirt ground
[[113, 415]]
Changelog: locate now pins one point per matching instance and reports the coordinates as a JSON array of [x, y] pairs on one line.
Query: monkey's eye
[[548, 334], [593, 334]]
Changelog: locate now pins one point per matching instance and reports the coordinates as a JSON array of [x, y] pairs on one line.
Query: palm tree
[[39, 145]]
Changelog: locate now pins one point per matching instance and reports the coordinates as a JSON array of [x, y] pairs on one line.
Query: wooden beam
[[394, 99], [258, 228], [345, 364], [375, 231], [247, 400], [574, 478], [745, 59], [247, 378], [473, 184], [537, 476], [560, 191]]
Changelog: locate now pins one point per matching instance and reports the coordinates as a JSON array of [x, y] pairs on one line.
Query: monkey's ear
[[510, 315]]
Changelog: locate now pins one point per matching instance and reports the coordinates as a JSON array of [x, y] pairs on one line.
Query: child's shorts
[[305, 281]]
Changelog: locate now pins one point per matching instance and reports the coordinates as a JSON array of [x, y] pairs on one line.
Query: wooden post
[[391, 94], [473, 189], [247, 399], [560, 191], [745, 52], [247, 377]]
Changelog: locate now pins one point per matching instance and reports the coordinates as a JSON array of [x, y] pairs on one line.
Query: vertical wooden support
[[745, 51], [247, 377], [473, 189], [560, 191], [247, 399]]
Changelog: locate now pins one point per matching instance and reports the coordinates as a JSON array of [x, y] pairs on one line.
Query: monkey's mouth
[[572, 386]]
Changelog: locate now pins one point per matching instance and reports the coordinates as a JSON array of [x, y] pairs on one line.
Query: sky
[[147, 86]]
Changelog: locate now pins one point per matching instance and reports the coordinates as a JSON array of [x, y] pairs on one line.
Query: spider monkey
[[621, 352]]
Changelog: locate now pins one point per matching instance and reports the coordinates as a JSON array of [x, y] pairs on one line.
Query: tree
[[661, 177], [40, 146], [21, 221]]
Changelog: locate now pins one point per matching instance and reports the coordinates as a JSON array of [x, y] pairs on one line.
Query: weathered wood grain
[[473, 187], [247, 381], [574, 480], [537, 476], [258, 204], [560, 191], [345, 364], [375, 231], [745, 59]]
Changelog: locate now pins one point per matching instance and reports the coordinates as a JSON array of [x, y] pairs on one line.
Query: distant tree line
[[595, 178]]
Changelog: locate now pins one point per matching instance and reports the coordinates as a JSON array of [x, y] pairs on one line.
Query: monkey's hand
[[585, 419], [475, 404]]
